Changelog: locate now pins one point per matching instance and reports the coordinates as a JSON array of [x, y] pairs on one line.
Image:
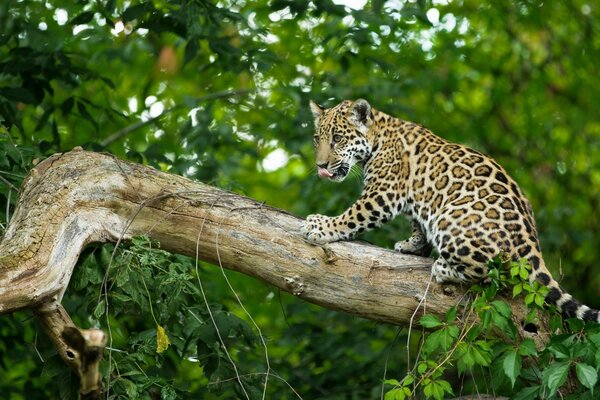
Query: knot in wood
[[330, 256], [294, 284]]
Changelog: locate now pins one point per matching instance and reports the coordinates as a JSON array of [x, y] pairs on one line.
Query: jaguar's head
[[340, 137]]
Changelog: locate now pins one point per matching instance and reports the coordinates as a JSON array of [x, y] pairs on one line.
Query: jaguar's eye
[[337, 138]]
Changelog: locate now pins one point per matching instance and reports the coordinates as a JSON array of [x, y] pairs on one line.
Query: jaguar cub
[[460, 202]]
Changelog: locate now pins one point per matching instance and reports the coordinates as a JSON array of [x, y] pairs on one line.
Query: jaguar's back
[[460, 201]]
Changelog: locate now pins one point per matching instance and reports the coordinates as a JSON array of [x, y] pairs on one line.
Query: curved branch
[[76, 198]]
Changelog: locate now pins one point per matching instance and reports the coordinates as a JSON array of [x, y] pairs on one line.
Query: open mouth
[[336, 174]]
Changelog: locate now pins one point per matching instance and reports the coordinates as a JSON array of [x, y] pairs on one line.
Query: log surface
[[73, 199]]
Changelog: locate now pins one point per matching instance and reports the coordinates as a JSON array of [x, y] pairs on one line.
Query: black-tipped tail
[[570, 307]]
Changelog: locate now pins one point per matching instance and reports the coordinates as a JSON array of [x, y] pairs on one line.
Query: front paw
[[413, 246], [317, 229]]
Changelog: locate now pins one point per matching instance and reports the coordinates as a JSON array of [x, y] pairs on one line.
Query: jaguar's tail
[[567, 305]]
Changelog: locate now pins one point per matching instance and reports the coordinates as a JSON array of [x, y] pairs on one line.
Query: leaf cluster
[[488, 356], [168, 322]]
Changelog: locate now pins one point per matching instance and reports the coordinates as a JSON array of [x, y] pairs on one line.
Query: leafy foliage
[[142, 277], [218, 91], [488, 347]]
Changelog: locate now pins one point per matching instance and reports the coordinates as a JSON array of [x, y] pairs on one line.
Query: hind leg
[[416, 244], [448, 271]]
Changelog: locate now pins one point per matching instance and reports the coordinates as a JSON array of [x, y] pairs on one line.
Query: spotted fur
[[460, 202]]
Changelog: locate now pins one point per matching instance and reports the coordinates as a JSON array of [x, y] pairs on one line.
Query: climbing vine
[[478, 343]]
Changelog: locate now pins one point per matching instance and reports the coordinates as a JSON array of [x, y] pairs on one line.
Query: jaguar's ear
[[361, 114], [317, 111]]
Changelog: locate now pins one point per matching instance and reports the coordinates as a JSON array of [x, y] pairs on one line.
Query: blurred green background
[[218, 91]]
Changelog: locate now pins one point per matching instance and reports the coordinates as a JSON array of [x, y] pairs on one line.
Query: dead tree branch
[[71, 200]]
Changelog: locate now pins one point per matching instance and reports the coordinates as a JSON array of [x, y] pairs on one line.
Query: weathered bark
[[76, 198], [71, 200]]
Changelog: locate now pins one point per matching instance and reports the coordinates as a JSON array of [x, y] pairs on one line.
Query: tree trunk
[[71, 200]]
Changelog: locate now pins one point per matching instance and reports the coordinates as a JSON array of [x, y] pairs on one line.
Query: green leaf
[[502, 308], [191, 49], [469, 355], [539, 300], [86, 115], [523, 274], [528, 393], [83, 18], [395, 394], [555, 376], [451, 314], [527, 348], [168, 393], [18, 94], [436, 389], [430, 321], [514, 271], [587, 375], [122, 277], [512, 366], [529, 298], [559, 350], [100, 309], [517, 289], [136, 11], [130, 388], [441, 339]]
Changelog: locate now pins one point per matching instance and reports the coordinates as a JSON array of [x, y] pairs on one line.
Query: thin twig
[[262, 339], [422, 301], [133, 127], [210, 314], [387, 357]]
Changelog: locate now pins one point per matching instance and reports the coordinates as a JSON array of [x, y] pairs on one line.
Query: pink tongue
[[324, 173]]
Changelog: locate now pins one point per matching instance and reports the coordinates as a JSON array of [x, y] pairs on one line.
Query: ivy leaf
[[430, 321], [512, 366], [528, 393], [595, 338], [451, 314], [524, 274], [539, 300], [421, 368], [395, 394], [436, 389], [441, 339], [502, 308], [130, 388], [168, 393], [527, 348], [517, 289], [471, 354], [514, 270], [587, 375], [100, 309], [555, 376], [560, 351]]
